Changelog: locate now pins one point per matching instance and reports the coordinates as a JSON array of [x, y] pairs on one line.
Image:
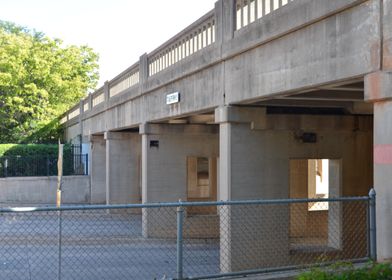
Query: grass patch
[[347, 271]]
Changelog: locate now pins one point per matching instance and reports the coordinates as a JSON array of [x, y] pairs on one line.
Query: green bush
[[32, 149], [346, 271], [34, 160]]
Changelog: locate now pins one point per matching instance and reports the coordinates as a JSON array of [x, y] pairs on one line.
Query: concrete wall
[[165, 179], [257, 166], [165, 175], [123, 168], [73, 132], [42, 190]]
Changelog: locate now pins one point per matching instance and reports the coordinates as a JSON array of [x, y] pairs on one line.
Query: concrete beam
[[230, 114], [378, 86], [189, 129]]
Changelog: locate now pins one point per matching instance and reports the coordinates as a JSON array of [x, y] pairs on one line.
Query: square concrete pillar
[[165, 148], [251, 236], [378, 89], [98, 169], [123, 169]]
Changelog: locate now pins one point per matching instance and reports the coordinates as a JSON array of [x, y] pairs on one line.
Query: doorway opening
[[315, 225]]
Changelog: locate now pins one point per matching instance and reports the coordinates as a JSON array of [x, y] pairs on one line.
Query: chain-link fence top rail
[[142, 241]]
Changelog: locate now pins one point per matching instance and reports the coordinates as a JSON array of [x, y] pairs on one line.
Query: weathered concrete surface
[[123, 173], [254, 164], [42, 190], [383, 176], [97, 169], [176, 142], [387, 35], [72, 132], [301, 45], [165, 174], [378, 88], [283, 21], [339, 47], [306, 44]]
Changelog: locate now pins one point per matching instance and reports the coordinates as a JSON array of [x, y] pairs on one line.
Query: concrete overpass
[[235, 98]]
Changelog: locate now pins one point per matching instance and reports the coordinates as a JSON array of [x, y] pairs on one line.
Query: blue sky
[[119, 30]]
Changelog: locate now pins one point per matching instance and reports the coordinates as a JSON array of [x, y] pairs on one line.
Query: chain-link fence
[[183, 240]]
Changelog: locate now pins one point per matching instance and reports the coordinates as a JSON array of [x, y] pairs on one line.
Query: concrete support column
[[123, 167], [247, 172], [97, 169], [378, 89]]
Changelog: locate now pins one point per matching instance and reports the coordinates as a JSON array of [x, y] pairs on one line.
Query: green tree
[[39, 80]]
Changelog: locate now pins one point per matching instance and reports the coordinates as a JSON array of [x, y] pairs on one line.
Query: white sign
[[172, 98]]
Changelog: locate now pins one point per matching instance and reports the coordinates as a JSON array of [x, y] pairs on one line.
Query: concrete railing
[[192, 39], [74, 113], [86, 105], [64, 119], [215, 26], [125, 80], [248, 11], [98, 97]]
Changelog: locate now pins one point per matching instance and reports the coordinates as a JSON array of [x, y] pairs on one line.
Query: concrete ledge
[[255, 116], [111, 135]]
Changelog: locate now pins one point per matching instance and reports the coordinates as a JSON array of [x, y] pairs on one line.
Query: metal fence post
[[180, 218], [6, 167], [60, 241], [372, 225], [86, 168], [47, 165]]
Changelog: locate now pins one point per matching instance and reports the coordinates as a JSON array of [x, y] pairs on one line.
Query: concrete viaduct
[[223, 109]]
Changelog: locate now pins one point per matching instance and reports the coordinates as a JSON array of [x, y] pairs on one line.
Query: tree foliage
[[39, 80]]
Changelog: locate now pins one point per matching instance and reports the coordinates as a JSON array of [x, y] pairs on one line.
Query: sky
[[120, 31]]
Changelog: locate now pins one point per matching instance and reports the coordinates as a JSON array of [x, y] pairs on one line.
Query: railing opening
[[185, 45], [250, 10]]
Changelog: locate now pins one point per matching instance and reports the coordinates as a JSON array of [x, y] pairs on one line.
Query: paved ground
[[94, 246]]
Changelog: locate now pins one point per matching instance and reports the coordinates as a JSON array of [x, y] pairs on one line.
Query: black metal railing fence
[[42, 165]]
